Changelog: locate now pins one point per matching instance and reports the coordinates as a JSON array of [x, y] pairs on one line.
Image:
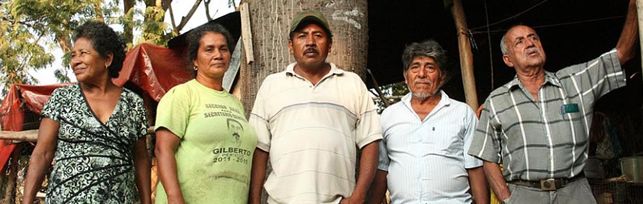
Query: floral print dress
[[94, 162]]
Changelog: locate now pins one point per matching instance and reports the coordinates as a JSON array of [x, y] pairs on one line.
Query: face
[[213, 56], [310, 46], [524, 48], [87, 63], [423, 77]]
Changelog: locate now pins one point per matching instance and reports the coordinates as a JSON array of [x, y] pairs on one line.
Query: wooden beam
[[246, 32], [466, 56], [639, 11], [27, 135]]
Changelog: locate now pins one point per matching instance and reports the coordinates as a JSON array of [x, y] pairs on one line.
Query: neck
[[100, 86], [424, 106], [313, 74], [532, 79], [213, 83], [531, 75], [431, 100]]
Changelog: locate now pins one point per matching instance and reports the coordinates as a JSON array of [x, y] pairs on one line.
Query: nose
[[310, 40], [75, 60], [529, 42], [422, 72], [217, 54]]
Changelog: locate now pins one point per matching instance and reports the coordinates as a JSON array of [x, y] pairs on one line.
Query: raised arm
[[625, 45]]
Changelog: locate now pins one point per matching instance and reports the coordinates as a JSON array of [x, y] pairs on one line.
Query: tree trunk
[[127, 28], [270, 22]]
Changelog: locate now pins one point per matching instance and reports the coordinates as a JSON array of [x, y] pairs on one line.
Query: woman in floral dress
[[93, 131]]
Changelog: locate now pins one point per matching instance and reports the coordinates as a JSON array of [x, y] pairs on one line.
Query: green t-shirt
[[214, 157]]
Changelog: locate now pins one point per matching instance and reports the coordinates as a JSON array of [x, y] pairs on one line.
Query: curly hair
[[194, 38], [105, 41]]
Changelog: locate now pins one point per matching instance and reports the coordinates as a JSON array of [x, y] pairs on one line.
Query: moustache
[[311, 50], [422, 81]]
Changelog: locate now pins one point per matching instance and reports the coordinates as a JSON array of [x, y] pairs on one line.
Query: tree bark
[[270, 23], [128, 29]]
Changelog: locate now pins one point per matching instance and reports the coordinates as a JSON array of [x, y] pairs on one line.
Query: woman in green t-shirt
[[204, 143]]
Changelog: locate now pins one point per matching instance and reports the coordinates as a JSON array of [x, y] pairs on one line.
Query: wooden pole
[[639, 11], [27, 135], [466, 56]]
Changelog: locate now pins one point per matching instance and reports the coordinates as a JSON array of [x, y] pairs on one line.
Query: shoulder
[[392, 110], [132, 96], [66, 92]]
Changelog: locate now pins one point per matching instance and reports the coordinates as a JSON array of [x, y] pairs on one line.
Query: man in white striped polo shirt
[[426, 136], [310, 120], [537, 125]]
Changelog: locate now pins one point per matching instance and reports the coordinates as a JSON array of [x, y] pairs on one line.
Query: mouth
[[79, 70], [532, 52], [217, 63], [310, 52]]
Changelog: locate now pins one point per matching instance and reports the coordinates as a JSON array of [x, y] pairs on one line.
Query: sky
[[180, 8]]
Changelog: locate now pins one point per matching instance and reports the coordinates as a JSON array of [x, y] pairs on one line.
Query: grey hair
[[428, 48], [503, 44]]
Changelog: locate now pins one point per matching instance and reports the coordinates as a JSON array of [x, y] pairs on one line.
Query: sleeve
[[51, 109], [368, 125], [383, 160], [173, 111], [258, 118], [141, 117], [597, 77], [486, 143], [470, 123]]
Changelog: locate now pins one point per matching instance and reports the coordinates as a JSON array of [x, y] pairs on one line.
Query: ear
[[507, 60], [290, 46], [108, 59]]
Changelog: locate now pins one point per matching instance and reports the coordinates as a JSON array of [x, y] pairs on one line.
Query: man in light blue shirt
[[426, 136]]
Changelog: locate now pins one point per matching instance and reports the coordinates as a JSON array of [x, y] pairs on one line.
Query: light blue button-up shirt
[[426, 159]]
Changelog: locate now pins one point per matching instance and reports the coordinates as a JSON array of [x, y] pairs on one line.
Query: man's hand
[[351, 200]]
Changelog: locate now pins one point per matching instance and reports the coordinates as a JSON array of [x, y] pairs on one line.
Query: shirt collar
[[290, 70], [550, 78], [444, 101]]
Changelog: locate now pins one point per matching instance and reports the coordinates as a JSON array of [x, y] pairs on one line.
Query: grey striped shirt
[[546, 138]]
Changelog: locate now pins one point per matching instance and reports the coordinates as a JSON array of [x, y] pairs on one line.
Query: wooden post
[[639, 11], [466, 57]]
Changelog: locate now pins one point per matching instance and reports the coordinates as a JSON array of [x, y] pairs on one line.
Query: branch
[[207, 10], [185, 19], [172, 20]]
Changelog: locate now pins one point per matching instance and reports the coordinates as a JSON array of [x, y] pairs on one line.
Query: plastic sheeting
[[154, 69]]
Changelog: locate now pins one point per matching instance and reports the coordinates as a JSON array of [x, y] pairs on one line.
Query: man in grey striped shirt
[[537, 125]]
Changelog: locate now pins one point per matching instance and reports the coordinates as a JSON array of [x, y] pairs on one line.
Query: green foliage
[[392, 93], [32, 28]]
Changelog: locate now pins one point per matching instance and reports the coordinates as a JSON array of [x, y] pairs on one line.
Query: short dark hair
[[104, 40], [428, 48], [194, 38]]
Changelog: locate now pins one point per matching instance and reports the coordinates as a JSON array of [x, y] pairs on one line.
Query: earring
[[196, 68]]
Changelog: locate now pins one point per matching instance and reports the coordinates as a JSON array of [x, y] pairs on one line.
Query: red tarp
[[152, 68]]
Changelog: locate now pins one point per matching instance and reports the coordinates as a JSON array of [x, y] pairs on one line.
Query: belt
[[548, 184]]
